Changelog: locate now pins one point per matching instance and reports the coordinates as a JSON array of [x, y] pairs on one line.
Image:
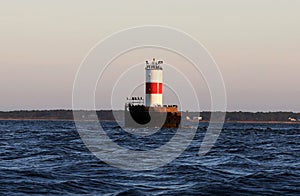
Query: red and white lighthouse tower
[[154, 83], [153, 113]]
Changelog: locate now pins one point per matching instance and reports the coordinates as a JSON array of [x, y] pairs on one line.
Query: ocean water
[[49, 157]]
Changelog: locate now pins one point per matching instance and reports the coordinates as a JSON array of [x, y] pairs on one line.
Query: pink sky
[[255, 43]]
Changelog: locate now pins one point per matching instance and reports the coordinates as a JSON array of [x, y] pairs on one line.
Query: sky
[[255, 43]]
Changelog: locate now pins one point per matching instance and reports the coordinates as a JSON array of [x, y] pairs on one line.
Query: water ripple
[[48, 157]]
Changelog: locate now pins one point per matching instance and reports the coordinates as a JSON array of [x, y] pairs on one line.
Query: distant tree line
[[255, 116], [109, 115]]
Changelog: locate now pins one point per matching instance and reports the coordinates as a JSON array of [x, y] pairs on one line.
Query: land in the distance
[[108, 115]]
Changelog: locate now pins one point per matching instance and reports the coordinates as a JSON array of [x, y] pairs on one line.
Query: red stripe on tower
[[154, 88]]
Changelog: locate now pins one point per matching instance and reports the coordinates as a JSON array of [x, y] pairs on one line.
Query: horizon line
[[55, 109]]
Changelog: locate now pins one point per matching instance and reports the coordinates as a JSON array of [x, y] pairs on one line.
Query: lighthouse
[[153, 86], [152, 112]]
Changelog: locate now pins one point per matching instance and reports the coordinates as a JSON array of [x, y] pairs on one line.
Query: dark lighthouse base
[[140, 116]]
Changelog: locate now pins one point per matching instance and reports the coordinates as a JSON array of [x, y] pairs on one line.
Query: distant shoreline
[[111, 116], [204, 121]]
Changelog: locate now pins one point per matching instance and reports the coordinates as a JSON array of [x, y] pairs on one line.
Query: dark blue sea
[[49, 157]]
